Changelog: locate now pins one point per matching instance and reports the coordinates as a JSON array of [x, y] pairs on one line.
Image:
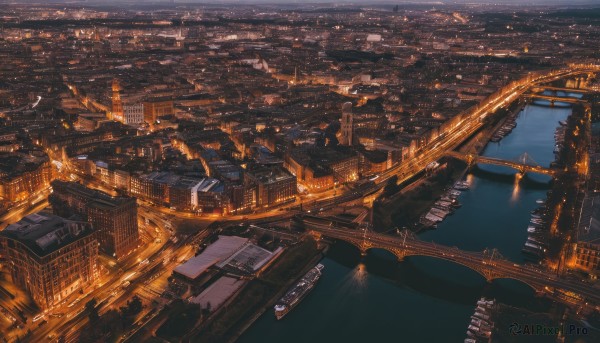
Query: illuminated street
[[189, 172]]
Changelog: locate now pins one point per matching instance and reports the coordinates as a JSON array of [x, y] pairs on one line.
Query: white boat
[[474, 328], [535, 241], [481, 316], [462, 186], [539, 201], [432, 217], [438, 212], [454, 192], [533, 246], [443, 203]]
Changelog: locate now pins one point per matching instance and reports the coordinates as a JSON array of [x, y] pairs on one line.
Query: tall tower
[[117, 104], [347, 124]]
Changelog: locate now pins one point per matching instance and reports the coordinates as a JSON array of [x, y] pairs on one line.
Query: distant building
[[156, 108], [90, 121], [241, 198], [153, 186], [587, 249], [372, 162], [117, 103], [180, 192], [347, 125], [133, 114], [319, 169], [50, 257], [22, 175], [273, 185], [114, 218]]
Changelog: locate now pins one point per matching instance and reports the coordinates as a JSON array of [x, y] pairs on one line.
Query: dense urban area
[[187, 173]]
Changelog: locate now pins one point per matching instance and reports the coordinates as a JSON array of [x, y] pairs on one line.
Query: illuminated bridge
[[553, 98], [524, 163], [489, 263], [539, 89]]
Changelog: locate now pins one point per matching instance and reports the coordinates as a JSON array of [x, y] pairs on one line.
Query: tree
[[134, 306], [391, 186], [91, 309]]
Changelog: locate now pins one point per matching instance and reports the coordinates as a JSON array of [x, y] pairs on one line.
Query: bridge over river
[[524, 164], [490, 264]]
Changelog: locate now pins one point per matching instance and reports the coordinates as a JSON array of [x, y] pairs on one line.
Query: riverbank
[[566, 197], [418, 195], [405, 210], [424, 299], [259, 295]]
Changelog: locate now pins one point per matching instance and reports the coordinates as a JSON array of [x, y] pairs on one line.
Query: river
[[423, 299]]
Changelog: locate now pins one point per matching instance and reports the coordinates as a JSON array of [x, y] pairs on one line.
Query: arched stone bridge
[[488, 263]]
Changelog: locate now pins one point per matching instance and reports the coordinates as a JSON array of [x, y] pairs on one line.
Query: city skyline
[[299, 172]]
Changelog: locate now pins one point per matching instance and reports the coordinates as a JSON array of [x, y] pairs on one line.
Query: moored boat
[[297, 292]]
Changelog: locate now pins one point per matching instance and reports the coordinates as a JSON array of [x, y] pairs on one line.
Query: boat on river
[[295, 294]]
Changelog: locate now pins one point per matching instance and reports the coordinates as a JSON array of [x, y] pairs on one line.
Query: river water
[[423, 299]]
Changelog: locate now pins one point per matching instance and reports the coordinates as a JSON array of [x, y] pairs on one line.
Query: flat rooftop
[[589, 225], [45, 233], [217, 293], [219, 251]]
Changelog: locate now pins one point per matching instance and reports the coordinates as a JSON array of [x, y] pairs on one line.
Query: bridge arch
[[401, 254], [386, 252], [448, 258], [536, 288]]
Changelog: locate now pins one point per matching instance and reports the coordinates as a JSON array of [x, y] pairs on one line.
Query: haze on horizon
[[520, 3]]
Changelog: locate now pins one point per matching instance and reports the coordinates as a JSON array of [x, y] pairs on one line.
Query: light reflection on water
[[359, 277], [424, 299], [516, 189], [470, 180]]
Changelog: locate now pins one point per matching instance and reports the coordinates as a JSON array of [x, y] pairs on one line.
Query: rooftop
[[589, 225], [45, 233], [95, 197], [219, 251], [271, 174]]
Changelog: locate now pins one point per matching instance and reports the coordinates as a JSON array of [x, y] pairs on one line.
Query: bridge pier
[[400, 255], [520, 175]]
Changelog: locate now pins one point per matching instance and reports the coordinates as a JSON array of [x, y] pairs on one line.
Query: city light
[[168, 172]]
